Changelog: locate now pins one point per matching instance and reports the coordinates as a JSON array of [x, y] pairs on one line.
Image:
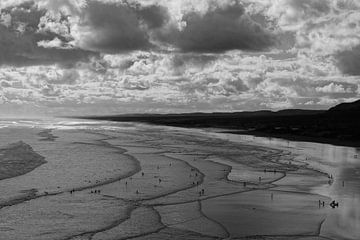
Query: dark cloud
[[19, 41], [218, 30], [154, 16], [120, 27], [349, 61]]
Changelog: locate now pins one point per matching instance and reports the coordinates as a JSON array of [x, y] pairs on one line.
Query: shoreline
[[296, 138]]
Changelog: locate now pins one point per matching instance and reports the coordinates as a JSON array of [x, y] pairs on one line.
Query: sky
[[97, 57]]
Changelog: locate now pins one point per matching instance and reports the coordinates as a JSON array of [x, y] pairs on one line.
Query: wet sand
[[114, 181], [17, 159]]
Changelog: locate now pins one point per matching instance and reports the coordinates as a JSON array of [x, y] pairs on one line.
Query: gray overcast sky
[[64, 57]]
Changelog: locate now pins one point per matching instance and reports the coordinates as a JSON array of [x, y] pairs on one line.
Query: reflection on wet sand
[[119, 181]]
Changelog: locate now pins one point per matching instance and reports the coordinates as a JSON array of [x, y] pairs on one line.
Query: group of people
[[95, 191], [333, 204]]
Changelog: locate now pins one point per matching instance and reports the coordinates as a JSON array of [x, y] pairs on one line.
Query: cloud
[[178, 55], [55, 43], [117, 27], [217, 30], [136, 84], [349, 61], [22, 44], [333, 88], [291, 14], [68, 76]]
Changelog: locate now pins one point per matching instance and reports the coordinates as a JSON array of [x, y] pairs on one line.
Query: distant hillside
[[353, 106], [338, 125]]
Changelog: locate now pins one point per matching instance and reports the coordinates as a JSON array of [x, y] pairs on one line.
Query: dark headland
[[339, 125]]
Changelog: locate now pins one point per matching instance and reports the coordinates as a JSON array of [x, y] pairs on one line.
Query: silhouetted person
[[244, 184], [203, 191], [142, 174], [137, 191]]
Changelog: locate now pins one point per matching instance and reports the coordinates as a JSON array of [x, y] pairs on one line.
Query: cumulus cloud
[[292, 14], [117, 27], [55, 43], [23, 44], [333, 88], [219, 29]]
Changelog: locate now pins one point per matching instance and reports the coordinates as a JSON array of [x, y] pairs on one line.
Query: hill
[[338, 125]]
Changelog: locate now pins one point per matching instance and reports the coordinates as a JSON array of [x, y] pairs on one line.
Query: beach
[[98, 180]]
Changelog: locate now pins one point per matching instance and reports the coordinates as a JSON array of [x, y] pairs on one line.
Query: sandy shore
[[145, 182]]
